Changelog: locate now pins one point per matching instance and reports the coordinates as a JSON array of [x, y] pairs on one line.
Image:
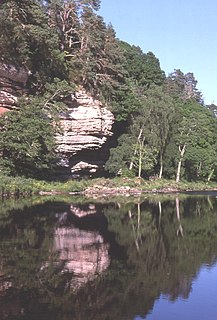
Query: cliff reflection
[[84, 253], [44, 254], [104, 261]]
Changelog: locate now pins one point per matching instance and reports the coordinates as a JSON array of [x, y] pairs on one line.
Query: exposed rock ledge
[[86, 126]]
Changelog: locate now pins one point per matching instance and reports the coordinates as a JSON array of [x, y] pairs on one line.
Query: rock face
[[86, 124], [86, 127], [12, 85]]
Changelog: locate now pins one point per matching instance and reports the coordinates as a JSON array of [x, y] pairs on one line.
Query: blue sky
[[181, 33]]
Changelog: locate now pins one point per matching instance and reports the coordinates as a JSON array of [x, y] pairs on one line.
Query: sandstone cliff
[[86, 124], [12, 85]]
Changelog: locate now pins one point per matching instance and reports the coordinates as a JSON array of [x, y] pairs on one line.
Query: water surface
[[74, 259]]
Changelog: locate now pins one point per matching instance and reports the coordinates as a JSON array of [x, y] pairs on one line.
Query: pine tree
[[143, 68], [183, 86], [26, 40]]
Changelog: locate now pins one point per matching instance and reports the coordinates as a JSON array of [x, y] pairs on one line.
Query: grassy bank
[[10, 186], [20, 186]]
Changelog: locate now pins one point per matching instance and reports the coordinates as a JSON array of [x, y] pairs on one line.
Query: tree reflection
[[180, 228], [136, 226], [138, 250], [165, 264]]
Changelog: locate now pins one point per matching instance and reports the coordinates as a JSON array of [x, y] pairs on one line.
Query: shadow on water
[[80, 259]]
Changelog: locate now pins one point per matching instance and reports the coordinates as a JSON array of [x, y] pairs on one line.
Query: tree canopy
[[65, 44]]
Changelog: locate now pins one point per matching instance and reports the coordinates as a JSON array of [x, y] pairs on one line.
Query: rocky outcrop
[[86, 125], [12, 85]]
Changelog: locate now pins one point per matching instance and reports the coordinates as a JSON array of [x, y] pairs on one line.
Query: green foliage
[[144, 158], [183, 86], [141, 72], [91, 50], [195, 131], [120, 156], [143, 68], [65, 45], [125, 102], [15, 186], [148, 133], [26, 40], [27, 142], [52, 101], [213, 108]]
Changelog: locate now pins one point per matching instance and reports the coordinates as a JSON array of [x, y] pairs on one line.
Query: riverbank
[[10, 186]]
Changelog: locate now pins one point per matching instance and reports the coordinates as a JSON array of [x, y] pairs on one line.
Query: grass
[[16, 186], [10, 186]]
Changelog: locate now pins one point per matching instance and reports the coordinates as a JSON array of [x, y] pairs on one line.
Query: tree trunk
[[182, 151], [180, 229], [178, 170], [210, 175], [135, 151], [134, 231], [161, 167], [140, 163]]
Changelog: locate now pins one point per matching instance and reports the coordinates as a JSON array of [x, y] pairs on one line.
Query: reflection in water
[[201, 303], [180, 228], [85, 254], [44, 254], [136, 227], [90, 209], [125, 260]]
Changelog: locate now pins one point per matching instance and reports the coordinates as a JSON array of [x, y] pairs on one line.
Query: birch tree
[[195, 140]]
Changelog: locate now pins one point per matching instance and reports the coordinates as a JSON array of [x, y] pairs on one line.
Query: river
[[74, 258]]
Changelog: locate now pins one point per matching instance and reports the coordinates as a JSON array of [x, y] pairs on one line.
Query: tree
[[26, 40], [152, 71], [27, 140], [186, 130], [143, 68], [149, 131], [144, 156], [118, 162], [159, 109], [200, 162], [183, 86], [195, 138], [213, 108], [191, 88], [155, 118], [133, 156]]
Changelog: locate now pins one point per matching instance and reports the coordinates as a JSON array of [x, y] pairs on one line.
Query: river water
[[70, 258]]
